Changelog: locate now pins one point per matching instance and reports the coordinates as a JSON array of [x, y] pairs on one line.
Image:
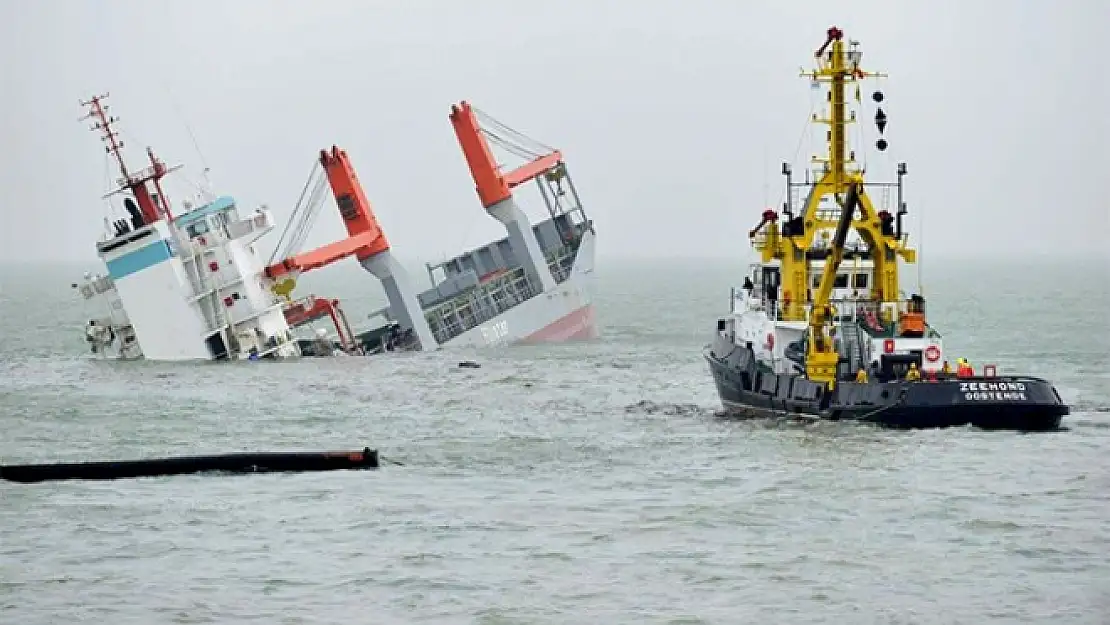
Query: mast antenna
[[103, 123], [206, 186], [920, 249]]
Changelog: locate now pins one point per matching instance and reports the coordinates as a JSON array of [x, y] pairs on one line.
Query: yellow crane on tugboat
[[838, 64], [822, 357]]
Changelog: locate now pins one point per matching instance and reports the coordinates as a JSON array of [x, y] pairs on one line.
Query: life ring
[[932, 353]]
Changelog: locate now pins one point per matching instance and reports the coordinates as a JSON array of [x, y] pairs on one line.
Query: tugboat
[[820, 328]]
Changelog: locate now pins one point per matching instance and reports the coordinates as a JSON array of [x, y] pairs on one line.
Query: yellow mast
[[838, 65], [821, 355]]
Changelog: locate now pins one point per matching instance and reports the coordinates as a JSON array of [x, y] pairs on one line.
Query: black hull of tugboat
[[1000, 403]]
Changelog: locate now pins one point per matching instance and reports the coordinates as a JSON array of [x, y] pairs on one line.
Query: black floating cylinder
[[273, 462]]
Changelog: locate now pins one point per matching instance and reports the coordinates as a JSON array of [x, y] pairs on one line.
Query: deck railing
[[848, 309], [493, 297]]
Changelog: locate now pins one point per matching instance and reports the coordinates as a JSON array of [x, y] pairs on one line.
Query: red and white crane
[[365, 241]]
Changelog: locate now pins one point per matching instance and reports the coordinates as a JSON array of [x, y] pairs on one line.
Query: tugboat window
[[839, 282], [859, 281]]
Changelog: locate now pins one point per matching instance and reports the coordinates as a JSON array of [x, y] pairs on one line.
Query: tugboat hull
[[999, 403]]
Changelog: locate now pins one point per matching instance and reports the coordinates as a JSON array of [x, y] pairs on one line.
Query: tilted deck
[[463, 300]]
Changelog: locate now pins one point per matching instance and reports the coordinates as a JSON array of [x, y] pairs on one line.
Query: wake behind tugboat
[[805, 338]]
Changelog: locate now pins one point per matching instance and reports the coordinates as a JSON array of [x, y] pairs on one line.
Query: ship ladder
[[852, 343], [202, 289], [210, 295]]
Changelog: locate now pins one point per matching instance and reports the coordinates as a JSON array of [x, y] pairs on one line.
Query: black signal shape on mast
[[880, 122]]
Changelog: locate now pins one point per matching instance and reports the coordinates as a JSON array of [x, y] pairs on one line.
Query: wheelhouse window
[[197, 229], [840, 282], [859, 281]]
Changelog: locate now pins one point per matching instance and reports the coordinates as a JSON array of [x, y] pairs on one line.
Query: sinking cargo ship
[[191, 286], [532, 286]]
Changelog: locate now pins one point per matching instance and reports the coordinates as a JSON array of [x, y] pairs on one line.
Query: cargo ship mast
[[151, 206]]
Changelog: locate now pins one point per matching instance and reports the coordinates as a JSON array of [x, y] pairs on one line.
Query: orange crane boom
[[365, 236], [492, 185]]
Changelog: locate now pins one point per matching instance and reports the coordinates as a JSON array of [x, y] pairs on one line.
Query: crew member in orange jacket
[[964, 369]]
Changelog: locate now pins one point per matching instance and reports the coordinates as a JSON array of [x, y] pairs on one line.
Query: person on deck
[[913, 375], [964, 368], [322, 343], [861, 376], [946, 369]]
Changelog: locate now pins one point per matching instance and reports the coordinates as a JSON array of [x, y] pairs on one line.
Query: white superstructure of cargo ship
[[184, 286]]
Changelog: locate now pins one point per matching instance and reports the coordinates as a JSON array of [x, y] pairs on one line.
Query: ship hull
[[579, 325], [563, 314], [999, 403]]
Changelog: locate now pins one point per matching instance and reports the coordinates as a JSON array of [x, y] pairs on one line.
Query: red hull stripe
[[579, 325]]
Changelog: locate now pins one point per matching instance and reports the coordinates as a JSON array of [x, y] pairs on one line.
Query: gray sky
[[673, 115]]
